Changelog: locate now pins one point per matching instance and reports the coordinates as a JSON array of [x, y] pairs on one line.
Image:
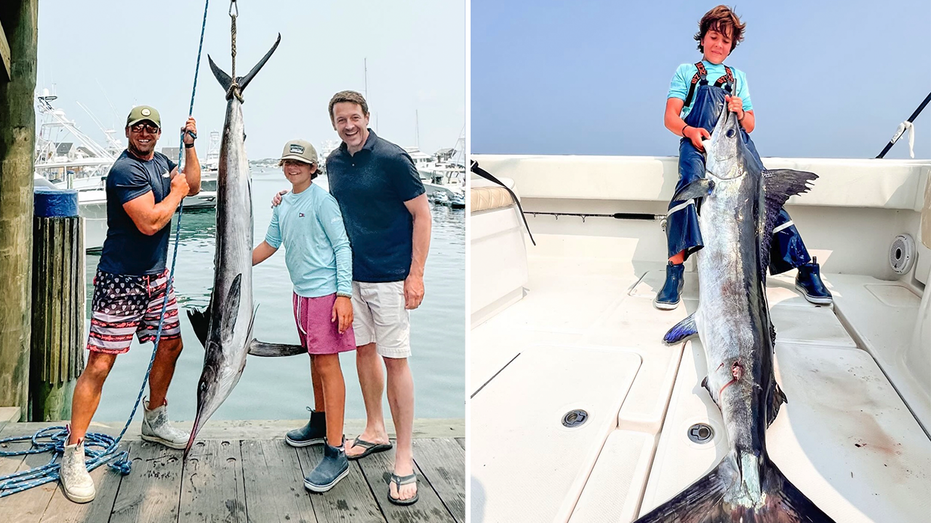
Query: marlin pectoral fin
[[778, 186], [274, 350], [681, 331], [231, 308], [696, 189], [200, 322]]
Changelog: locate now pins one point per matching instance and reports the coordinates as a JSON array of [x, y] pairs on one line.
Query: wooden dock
[[244, 471]]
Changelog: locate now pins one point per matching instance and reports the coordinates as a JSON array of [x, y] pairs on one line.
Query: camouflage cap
[[141, 113]]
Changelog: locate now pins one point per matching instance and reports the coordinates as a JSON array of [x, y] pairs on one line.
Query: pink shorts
[[318, 334]]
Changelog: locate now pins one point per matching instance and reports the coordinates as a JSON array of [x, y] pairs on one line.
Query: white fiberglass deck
[[586, 336]]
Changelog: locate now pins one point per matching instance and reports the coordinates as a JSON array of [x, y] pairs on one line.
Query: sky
[[828, 79], [112, 55]]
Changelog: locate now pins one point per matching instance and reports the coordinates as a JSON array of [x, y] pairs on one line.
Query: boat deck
[[586, 336], [244, 471]]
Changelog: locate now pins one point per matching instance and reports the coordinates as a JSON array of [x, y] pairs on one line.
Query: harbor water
[[280, 388]]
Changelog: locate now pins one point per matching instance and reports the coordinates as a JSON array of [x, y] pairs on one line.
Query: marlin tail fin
[[713, 499], [241, 81]]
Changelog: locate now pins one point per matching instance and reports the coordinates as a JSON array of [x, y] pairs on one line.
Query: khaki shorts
[[379, 317]]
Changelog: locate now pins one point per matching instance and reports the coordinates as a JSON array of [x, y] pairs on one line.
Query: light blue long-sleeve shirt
[[317, 250]]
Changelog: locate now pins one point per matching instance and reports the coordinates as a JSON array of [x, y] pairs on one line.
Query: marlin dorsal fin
[[778, 186]]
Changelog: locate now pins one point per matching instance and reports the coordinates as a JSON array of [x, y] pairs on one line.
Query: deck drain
[[574, 418], [700, 433]]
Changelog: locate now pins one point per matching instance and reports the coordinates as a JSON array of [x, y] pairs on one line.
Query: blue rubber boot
[[333, 467], [314, 433], [808, 282], [668, 298]]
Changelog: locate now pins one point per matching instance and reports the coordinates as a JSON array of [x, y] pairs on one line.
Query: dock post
[[18, 22], [58, 291]]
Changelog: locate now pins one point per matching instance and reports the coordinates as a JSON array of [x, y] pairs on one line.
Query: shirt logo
[[300, 215], [166, 174]]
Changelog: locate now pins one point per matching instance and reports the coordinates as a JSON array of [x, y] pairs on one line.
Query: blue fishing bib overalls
[[682, 231]]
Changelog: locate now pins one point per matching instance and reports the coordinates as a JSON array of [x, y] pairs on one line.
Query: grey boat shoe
[[157, 429], [76, 483], [327, 473], [314, 433]]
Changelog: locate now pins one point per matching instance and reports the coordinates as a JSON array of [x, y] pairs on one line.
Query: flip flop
[[370, 448], [403, 480]]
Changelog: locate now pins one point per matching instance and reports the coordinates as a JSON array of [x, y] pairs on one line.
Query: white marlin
[[225, 327], [740, 202]]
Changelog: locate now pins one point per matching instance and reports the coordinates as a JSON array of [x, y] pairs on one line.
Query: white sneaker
[[157, 428], [75, 481]]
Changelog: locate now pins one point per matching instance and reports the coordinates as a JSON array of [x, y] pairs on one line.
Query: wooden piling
[[57, 357], [18, 19]]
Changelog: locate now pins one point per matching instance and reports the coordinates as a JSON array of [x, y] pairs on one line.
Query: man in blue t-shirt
[[143, 190]]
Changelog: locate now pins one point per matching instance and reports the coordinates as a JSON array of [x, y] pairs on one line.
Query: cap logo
[[298, 149], [146, 112]]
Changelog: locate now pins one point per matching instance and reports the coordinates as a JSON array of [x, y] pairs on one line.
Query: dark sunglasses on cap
[[138, 127]]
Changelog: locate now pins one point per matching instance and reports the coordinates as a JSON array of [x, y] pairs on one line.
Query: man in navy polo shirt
[[143, 190], [388, 221]]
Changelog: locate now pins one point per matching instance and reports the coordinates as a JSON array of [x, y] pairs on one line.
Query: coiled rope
[[98, 448]]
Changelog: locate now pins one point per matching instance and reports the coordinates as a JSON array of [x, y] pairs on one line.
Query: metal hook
[[583, 218], [234, 9]]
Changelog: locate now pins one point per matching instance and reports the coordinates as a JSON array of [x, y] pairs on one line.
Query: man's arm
[[423, 222], [151, 217], [191, 163]]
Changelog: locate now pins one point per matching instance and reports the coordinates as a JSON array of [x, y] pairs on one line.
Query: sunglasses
[[151, 128]]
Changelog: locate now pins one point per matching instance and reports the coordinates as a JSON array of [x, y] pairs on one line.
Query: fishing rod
[[907, 124], [616, 216]]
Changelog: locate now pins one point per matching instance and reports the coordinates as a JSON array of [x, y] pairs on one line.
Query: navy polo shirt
[[126, 250], [371, 188]]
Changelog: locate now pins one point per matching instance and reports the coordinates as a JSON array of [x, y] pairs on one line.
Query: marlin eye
[[731, 133]]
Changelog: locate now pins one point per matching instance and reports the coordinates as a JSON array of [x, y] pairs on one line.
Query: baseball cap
[[299, 150], [141, 113]]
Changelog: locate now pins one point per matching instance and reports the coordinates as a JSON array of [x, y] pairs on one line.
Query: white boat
[[580, 413]]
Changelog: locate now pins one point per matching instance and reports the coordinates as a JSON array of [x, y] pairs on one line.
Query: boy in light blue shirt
[[317, 253]]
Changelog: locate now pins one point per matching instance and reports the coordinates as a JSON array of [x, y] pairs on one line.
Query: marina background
[[280, 388]]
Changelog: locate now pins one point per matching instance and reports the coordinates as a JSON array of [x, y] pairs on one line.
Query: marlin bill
[[740, 201]]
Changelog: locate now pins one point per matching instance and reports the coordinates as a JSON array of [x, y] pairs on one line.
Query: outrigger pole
[[907, 124]]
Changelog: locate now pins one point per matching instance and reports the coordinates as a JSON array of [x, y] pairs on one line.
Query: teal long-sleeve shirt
[[317, 251]]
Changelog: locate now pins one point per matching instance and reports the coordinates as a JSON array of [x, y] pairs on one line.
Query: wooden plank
[[273, 483], [5, 56], [442, 462], [28, 506], [212, 483], [63, 510], [150, 492], [377, 469], [350, 500], [8, 415]]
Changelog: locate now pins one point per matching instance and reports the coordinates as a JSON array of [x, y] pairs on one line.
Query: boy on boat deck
[[317, 253], [693, 106]]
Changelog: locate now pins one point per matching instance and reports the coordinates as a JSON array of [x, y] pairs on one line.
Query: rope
[[98, 448]]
